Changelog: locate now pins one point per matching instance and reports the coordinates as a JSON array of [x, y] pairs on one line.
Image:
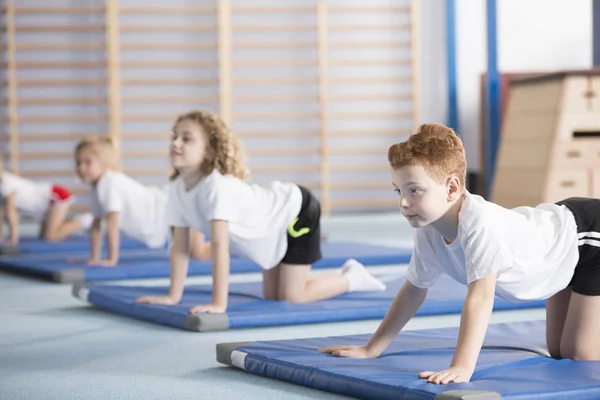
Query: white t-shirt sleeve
[[423, 270], [222, 198], [7, 186], [175, 211], [486, 252], [109, 197]]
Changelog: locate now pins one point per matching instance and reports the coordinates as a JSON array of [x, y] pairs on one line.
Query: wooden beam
[[13, 115], [58, 10], [52, 101], [322, 62], [169, 81], [415, 66], [62, 82], [224, 65], [60, 46], [113, 63], [206, 10], [168, 46]]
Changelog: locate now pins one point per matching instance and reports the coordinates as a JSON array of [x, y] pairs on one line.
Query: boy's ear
[[454, 188]]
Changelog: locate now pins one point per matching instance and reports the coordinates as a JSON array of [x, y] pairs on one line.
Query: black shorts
[[586, 279], [304, 233]]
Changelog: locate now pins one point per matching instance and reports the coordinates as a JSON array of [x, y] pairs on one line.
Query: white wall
[[533, 35], [432, 47]]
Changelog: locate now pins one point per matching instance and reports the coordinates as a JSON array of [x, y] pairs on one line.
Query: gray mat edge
[[72, 275], [76, 291], [206, 322], [468, 395], [224, 351], [9, 250]]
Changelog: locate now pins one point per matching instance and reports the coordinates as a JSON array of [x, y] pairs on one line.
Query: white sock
[[359, 279], [86, 220]]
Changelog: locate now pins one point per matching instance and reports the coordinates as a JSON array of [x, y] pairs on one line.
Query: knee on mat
[[50, 237], [297, 298], [577, 354]]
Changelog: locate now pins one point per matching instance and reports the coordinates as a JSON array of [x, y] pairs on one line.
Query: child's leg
[[271, 283], [580, 339], [296, 286], [56, 227], [199, 249], [556, 313]]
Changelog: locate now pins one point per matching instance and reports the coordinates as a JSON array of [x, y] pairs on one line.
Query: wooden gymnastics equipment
[[550, 143], [306, 112]]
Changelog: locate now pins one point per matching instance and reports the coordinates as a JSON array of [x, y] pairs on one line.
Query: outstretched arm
[[179, 269], [474, 321], [406, 303], [13, 219], [219, 234]]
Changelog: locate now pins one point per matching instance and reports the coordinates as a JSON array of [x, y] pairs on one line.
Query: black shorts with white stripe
[[586, 279]]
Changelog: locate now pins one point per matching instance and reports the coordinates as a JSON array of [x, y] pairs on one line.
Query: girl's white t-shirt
[[258, 216]]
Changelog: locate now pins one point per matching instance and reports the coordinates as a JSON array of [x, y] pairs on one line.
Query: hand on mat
[[347, 351], [101, 263], [208, 308], [157, 300], [452, 374], [10, 242]]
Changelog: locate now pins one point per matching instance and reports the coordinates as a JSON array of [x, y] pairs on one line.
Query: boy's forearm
[[221, 265], [475, 317], [403, 308]]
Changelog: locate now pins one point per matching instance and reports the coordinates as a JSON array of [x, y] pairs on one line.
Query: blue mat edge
[[149, 313], [197, 268]]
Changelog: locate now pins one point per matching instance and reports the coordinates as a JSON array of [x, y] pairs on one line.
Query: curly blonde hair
[[224, 153], [104, 147]]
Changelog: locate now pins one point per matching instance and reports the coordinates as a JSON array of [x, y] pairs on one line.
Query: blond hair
[[102, 146], [224, 153], [436, 148]]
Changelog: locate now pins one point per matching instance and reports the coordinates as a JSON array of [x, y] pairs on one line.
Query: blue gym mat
[[247, 309], [512, 365], [32, 245], [134, 264]]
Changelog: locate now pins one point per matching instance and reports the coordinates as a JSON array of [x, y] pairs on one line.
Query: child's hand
[[10, 242], [347, 351], [157, 300], [101, 263], [208, 308], [452, 374]]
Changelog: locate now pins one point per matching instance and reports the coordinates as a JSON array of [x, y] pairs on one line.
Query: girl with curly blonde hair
[[126, 205], [276, 226]]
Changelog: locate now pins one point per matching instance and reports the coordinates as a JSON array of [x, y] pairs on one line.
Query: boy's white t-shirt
[[142, 209], [258, 216], [534, 250], [31, 198]]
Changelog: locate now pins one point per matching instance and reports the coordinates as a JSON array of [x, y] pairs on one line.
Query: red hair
[[436, 148]]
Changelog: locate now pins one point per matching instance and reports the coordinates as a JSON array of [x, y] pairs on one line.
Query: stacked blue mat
[[35, 245], [247, 308], [145, 263], [512, 365]]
